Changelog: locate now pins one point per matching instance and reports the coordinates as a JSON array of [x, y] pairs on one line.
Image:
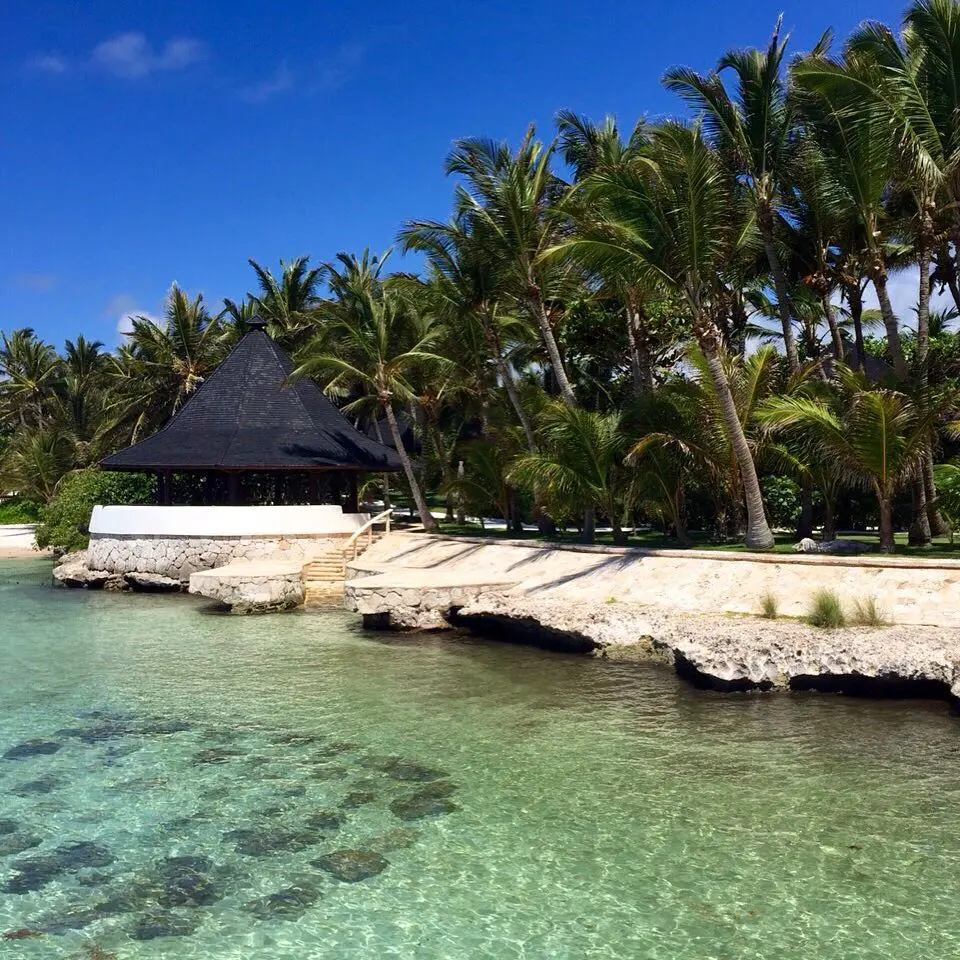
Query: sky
[[145, 143]]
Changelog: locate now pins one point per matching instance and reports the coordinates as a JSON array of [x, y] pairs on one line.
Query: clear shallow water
[[605, 810]]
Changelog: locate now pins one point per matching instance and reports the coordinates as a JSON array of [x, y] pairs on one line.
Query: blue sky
[[145, 142]]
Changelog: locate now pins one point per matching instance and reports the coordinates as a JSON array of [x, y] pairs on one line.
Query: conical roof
[[246, 417]]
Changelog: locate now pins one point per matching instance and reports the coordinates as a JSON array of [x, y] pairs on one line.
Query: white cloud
[[338, 70], [123, 309], [39, 282], [265, 90], [131, 56], [51, 63]]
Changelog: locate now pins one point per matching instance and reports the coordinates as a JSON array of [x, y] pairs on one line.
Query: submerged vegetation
[[662, 326]]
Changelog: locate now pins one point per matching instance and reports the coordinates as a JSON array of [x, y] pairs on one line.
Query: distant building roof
[[246, 417]]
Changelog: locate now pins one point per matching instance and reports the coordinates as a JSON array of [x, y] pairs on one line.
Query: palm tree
[[373, 341], [753, 132], [860, 145], [580, 467], [509, 204], [463, 276], [874, 438], [287, 305], [30, 370], [161, 364], [673, 224]]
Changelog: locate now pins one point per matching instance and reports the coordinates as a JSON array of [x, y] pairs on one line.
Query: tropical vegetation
[[665, 326]]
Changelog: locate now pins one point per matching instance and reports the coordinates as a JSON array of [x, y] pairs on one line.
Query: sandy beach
[[16, 540]]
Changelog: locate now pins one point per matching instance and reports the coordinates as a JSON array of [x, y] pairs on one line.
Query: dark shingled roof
[[244, 417]]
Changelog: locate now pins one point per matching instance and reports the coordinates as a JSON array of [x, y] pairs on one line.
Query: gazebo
[[255, 437]]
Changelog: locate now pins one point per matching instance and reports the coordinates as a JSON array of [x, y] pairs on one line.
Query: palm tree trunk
[[783, 297], [831, 317], [925, 256], [887, 544], [829, 520], [509, 383], [550, 343], [855, 299], [589, 532], [879, 276], [385, 476], [919, 532], [758, 536], [641, 367], [426, 518], [619, 537], [938, 526]]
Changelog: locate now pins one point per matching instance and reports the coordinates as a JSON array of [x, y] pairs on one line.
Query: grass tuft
[[825, 610], [768, 606], [867, 612]]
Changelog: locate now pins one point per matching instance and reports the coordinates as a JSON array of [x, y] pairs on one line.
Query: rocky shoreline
[[731, 653], [72, 571]]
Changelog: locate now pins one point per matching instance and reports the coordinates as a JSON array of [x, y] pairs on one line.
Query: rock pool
[[177, 783]]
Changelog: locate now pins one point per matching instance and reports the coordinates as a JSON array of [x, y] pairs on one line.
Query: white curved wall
[[293, 521]]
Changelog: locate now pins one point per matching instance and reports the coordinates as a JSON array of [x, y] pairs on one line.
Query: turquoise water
[[582, 809]]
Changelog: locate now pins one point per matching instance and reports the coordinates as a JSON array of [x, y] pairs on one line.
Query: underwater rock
[[294, 739], [419, 805], [330, 773], [294, 792], [156, 925], [325, 820], [93, 879], [265, 843], [37, 872], [357, 798], [414, 772], [112, 730], [379, 762], [397, 839], [186, 884], [75, 919], [288, 904], [19, 842], [437, 789], [73, 856], [23, 933], [335, 748], [8, 826], [162, 728], [32, 787], [351, 866], [216, 755], [32, 748]]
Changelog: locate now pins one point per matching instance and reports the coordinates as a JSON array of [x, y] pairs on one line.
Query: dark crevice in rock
[[522, 630], [886, 687]]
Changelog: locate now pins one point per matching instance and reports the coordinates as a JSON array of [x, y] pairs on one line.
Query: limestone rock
[[152, 583]]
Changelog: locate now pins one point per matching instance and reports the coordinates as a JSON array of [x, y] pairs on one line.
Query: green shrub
[[781, 497], [65, 520], [868, 613], [768, 606], [15, 510], [826, 610]]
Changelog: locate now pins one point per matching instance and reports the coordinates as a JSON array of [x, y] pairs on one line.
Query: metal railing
[[367, 528]]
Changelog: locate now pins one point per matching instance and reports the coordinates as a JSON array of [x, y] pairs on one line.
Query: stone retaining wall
[[178, 557]]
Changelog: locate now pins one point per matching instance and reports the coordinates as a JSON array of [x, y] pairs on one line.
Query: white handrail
[[368, 529]]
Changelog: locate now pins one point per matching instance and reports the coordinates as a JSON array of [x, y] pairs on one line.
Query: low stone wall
[[179, 557]]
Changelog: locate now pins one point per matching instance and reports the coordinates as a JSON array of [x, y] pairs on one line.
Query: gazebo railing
[[367, 529]]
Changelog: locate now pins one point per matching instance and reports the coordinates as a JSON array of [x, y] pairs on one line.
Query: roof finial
[[256, 322]]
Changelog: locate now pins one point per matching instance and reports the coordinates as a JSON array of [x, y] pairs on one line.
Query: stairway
[[324, 575]]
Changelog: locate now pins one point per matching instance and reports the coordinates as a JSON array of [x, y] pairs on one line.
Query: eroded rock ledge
[[732, 653]]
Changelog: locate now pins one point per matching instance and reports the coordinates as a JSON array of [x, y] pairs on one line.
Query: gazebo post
[[165, 492], [233, 488], [353, 499], [278, 487], [314, 494]]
